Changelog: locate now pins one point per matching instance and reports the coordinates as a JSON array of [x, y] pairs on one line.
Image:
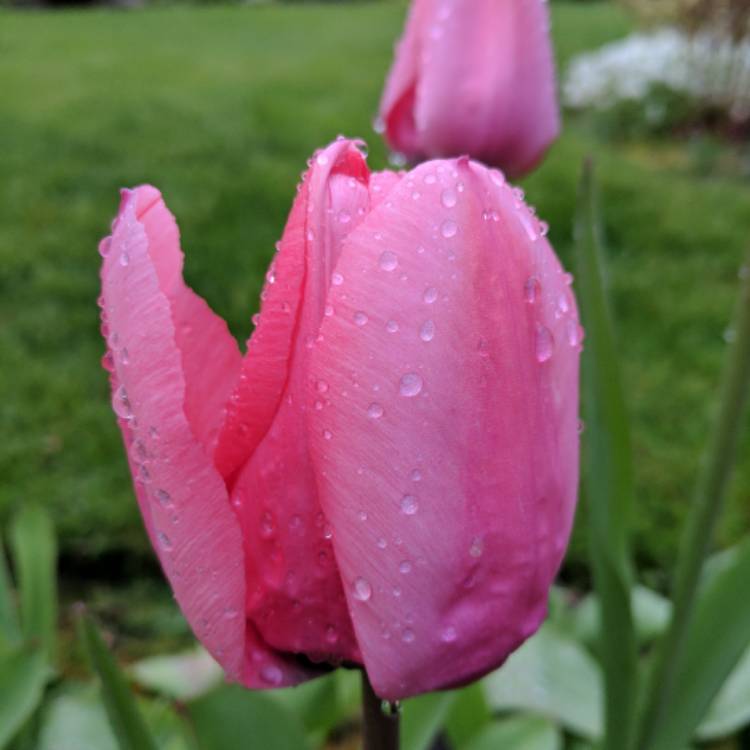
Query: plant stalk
[[380, 728], [707, 506]]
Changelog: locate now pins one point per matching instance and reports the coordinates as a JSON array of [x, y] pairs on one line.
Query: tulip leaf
[[182, 676], [76, 720], [519, 733], [608, 475], [23, 674], [34, 554], [730, 711], [423, 718], [124, 717], [718, 636], [554, 675], [687, 645], [231, 717], [9, 626], [468, 715]]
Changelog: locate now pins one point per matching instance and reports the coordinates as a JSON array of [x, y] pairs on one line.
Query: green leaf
[[518, 733], [182, 676], [423, 718], [716, 640], [553, 675], [35, 556], [608, 474], [231, 717], [76, 720], [124, 716], [665, 687], [23, 674], [468, 715], [650, 611], [9, 627], [730, 711]]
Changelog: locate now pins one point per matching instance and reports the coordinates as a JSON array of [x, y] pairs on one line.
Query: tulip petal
[[289, 556], [156, 330], [449, 472]]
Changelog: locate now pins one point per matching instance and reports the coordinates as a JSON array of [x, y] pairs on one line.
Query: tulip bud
[[388, 477], [473, 77]]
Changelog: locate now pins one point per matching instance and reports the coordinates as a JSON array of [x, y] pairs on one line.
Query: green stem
[[380, 728], [706, 509]]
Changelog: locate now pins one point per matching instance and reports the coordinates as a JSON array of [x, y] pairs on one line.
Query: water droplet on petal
[[409, 505], [573, 332], [531, 289], [388, 261], [448, 228], [124, 259], [405, 567], [121, 403], [327, 434], [104, 246], [477, 547], [449, 198], [332, 635], [410, 385], [344, 217], [407, 636], [271, 673], [430, 295], [544, 343], [375, 411], [164, 541], [362, 590], [322, 386], [360, 318], [382, 544], [337, 279], [449, 634], [391, 326], [416, 475], [322, 160], [427, 331]]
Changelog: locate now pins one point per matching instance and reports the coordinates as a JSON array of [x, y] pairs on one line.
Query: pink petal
[[450, 475], [296, 600], [156, 331]]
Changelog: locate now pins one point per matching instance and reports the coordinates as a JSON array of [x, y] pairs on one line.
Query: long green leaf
[[124, 716], [519, 733], [717, 638], [23, 673], [468, 715], [608, 476], [35, 556], [422, 719], [9, 626], [664, 685], [230, 718]]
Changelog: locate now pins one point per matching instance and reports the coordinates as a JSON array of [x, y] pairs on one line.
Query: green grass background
[[220, 107]]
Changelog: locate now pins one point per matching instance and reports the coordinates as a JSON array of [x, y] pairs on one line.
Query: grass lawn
[[220, 107]]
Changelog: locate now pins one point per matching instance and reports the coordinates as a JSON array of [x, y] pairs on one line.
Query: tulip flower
[[473, 77], [387, 477]]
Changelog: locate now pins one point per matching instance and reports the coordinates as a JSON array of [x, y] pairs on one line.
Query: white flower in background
[[709, 68]]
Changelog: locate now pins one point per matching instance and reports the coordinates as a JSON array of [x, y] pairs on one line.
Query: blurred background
[[219, 105]]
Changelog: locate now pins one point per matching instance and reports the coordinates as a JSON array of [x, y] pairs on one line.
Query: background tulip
[[473, 77], [388, 477]]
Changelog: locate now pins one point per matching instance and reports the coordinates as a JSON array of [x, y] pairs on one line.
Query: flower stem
[[380, 727]]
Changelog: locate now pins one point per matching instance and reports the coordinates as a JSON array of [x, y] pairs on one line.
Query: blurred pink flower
[[473, 77], [388, 477]]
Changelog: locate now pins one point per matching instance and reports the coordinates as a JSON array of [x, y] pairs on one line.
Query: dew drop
[[164, 541], [332, 635], [573, 332], [430, 179], [337, 279], [544, 343], [362, 590], [375, 411], [104, 246], [230, 613], [404, 567], [477, 547], [449, 198], [328, 311], [267, 527], [416, 475], [121, 403], [531, 289], [388, 261], [409, 505], [163, 497], [448, 228], [449, 634], [430, 295], [427, 331], [410, 385], [271, 673], [322, 160], [391, 326], [382, 544], [322, 386], [407, 636], [344, 217], [124, 259], [327, 434], [360, 318]]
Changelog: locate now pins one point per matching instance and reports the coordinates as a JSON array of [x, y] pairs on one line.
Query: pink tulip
[[388, 476], [473, 77]]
